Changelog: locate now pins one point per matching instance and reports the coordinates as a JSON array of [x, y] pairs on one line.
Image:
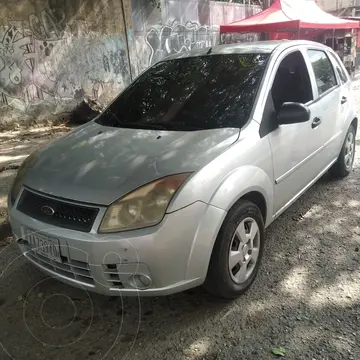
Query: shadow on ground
[[306, 299]]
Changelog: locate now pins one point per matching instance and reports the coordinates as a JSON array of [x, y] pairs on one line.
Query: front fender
[[236, 184], [240, 182]]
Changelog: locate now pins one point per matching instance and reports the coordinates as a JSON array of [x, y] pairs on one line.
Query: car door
[[327, 102], [295, 148], [346, 98]]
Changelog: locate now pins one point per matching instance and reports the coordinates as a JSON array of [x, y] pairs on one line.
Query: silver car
[[172, 185]]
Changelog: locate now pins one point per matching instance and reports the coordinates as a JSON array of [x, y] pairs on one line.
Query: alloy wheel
[[349, 150], [244, 250]]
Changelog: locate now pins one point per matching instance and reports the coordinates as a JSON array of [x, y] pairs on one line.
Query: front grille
[[65, 215], [71, 269]]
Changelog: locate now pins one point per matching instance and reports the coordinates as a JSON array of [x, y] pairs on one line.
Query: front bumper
[[173, 256]]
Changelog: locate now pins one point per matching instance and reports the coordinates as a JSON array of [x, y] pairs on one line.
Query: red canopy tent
[[289, 15]]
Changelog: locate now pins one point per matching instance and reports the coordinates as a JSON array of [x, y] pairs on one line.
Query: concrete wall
[[54, 52], [179, 25], [333, 5], [327, 5]]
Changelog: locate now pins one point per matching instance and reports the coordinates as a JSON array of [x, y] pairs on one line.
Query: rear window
[[207, 92], [340, 69], [323, 69]]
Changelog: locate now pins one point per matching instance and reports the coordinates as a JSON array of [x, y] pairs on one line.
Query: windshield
[[205, 92]]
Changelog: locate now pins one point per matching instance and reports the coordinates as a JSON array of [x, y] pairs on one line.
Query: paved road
[[305, 299]]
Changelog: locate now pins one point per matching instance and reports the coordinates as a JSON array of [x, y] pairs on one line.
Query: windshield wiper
[[116, 122], [151, 126], [109, 115], [169, 126]]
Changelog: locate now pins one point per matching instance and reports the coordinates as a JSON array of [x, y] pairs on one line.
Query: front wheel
[[237, 252], [345, 161]]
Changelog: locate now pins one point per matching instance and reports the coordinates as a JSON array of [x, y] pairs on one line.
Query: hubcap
[[244, 250], [349, 150]]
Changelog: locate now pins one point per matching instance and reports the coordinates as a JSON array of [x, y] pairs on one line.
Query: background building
[[341, 7]]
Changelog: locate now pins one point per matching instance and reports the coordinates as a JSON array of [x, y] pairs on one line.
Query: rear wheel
[[345, 161], [237, 253]]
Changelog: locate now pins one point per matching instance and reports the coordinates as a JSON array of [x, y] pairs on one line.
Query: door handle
[[343, 100], [316, 122]]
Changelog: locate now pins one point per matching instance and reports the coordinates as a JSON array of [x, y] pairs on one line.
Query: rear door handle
[[343, 100], [316, 122]]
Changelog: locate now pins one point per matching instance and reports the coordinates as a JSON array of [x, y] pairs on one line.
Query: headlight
[[143, 207], [18, 182]]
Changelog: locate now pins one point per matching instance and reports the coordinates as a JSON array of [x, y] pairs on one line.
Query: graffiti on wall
[[232, 38], [116, 62], [177, 38], [41, 60]]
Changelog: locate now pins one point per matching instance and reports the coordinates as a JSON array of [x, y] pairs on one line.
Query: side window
[[292, 81], [323, 69], [342, 74]]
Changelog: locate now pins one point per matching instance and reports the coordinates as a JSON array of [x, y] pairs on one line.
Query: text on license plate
[[44, 245]]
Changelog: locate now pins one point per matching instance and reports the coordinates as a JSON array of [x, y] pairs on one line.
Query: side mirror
[[293, 113]]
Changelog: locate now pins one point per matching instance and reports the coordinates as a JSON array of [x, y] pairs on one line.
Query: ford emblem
[[47, 210]]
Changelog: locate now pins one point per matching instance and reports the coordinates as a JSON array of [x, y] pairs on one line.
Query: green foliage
[[280, 351]]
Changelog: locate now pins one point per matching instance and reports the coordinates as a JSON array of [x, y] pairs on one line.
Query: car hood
[[97, 164]]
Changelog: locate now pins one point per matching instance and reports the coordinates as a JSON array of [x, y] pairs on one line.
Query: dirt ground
[[306, 298]]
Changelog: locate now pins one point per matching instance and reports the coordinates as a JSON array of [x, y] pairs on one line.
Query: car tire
[[241, 237], [345, 161]]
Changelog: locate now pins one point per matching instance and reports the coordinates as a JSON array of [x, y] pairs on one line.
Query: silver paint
[[227, 163]]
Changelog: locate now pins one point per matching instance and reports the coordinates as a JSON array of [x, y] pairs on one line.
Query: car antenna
[[209, 52]]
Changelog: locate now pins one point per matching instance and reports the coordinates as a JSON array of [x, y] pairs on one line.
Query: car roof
[[257, 47]]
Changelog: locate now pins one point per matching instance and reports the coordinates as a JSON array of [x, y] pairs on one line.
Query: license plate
[[45, 246]]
